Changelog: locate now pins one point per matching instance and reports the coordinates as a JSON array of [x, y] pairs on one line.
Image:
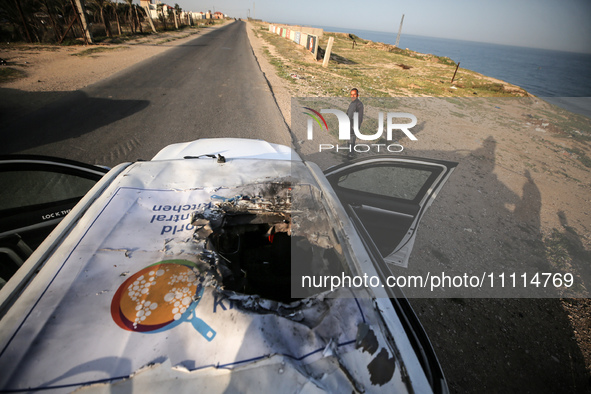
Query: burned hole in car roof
[[254, 237]]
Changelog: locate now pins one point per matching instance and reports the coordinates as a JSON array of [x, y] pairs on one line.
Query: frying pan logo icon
[[160, 297]]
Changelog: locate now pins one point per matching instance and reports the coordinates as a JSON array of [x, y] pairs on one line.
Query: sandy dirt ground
[[520, 197], [518, 200], [60, 70]]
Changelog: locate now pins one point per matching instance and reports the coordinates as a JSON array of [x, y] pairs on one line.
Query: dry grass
[[379, 70]]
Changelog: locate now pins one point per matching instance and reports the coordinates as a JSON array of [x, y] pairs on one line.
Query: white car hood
[[74, 328], [236, 148]]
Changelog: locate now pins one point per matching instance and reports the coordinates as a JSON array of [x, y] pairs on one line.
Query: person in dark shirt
[[355, 106]]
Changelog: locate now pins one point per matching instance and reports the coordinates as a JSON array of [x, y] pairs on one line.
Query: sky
[[549, 24]]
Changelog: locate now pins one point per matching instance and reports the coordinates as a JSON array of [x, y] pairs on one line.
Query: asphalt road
[[211, 86]]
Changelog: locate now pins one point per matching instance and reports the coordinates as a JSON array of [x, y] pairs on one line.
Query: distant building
[[152, 6]]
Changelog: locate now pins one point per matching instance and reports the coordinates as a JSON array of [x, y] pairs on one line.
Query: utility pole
[[254, 14], [399, 31]]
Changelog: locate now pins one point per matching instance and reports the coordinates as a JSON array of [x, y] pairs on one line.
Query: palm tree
[[43, 20], [101, 5], [178, 11], [19, 15], [116, 12], [137, 18], [160, 7], [130, 16], [56, 27]]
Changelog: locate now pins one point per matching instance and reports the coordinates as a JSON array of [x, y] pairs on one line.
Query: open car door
[[390, 194], [36, 194]]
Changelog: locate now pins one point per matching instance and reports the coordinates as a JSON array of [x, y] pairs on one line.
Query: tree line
[[54, 21]]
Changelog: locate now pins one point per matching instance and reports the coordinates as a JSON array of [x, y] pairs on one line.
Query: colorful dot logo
[[160, 297]]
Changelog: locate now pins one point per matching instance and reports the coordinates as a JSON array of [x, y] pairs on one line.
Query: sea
[[563, 78]]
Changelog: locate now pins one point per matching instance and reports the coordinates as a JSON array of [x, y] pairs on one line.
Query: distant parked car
[[187, 272]]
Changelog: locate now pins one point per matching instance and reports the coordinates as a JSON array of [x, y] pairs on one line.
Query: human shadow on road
[[71, 116], [478, 224]]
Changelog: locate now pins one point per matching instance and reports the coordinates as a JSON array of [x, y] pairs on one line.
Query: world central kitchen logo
[[348, 131]]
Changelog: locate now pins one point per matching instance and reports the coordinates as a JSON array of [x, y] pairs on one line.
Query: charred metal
[[252, 239]]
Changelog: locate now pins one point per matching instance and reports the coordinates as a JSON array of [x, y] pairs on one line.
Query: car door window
[[36, 194], [388, 181], [32, 187], [389, 195]]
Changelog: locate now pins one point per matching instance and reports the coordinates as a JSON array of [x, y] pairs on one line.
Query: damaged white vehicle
[[187, 273]]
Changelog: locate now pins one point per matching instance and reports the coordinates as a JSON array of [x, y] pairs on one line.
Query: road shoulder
[[51, 72]]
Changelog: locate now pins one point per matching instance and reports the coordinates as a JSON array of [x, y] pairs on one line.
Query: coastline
[[517, 194], [579, 105], [395, 71], [539, 71], [495, 160]]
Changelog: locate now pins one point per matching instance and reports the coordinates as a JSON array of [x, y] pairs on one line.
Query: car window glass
[[389, 181], [27, 188]]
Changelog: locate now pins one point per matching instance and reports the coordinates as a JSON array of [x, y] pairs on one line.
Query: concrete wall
[[305, 36], [304, 29]]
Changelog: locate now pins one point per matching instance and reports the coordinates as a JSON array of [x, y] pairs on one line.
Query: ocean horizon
[[542, 72]]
